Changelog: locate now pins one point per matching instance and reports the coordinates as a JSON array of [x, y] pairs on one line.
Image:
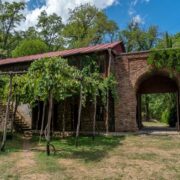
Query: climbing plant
[[51, 79], [161, 107], [166, 58]]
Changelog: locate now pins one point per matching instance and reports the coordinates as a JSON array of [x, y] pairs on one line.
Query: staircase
[[20, 125]]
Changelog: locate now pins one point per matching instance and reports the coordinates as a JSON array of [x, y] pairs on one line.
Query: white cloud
[[60, 7], [134, 15], [137, 19]]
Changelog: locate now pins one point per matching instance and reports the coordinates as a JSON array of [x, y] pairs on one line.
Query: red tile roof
[[64, 53]]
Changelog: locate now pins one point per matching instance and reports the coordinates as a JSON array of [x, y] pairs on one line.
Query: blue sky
[[163, 13]]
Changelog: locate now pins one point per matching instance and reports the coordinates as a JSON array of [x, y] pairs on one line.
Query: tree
[[137, 39], [31, 33], [169, 41], [165, 42], [28, 47], [176, 40], [162, 107], [10, 16], [88, 25], [2, 148], [50, 79], [93, 86], [51, 30]]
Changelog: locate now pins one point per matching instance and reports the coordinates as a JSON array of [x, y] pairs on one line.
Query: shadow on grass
[[13, 144], [88, 150]]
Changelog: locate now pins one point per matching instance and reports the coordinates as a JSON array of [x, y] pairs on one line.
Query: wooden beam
[[13, 73]]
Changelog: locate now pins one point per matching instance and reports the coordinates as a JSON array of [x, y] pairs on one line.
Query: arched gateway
[[134, 79]]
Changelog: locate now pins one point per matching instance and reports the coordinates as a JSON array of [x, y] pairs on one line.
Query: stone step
[[21, 125]]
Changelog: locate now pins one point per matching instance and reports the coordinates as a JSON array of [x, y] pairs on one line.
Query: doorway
[[158, 103]]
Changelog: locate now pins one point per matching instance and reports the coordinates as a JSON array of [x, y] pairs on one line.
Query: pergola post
[[139, 117], [7, 114], [178, 122]]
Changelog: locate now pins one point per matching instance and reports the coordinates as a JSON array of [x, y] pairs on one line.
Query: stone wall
[[26, 112], [2, 117]]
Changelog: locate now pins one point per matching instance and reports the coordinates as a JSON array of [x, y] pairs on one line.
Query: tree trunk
[[94, 117], [7, 115], [107, 114], [43, 119], [39, 109], [63, 120], [52, 119], [107, 100], [147, 108], [14, 113], [49, 123], [79, 117]]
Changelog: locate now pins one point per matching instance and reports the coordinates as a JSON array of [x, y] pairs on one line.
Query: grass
[[124, 157], [154, 124]]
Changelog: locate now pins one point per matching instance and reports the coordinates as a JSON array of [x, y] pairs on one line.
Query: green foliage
[[28, 47], [30, 33], [162, 107], [48, 75], [4, 82], [165, 116], [88, 25], [169, 116], [166, 58], [94, 84], [56, 76], [138, 39], [169, 41], [172, 118], [22, 89], [10, 16], [51, 30], [176, 40]]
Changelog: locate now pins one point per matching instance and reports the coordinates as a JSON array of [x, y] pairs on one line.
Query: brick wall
[[130, 70]]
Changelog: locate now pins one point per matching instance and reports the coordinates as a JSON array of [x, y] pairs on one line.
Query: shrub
[[29, 47]]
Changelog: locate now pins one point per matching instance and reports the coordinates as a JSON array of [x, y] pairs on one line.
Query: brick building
[[134, 78]]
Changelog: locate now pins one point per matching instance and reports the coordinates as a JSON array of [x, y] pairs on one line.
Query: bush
[[29, 47], [172, 119], [165, 116], [169, 116]]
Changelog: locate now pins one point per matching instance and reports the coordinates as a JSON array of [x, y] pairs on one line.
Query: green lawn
[[125, 157], [154, 124]]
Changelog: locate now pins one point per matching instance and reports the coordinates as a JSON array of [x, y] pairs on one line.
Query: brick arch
[[131, 69], [156, 82]]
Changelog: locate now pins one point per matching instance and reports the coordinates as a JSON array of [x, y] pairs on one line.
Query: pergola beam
[[13, 72]]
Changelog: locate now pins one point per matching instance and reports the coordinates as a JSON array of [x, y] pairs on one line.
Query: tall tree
[[169, 41], [10, 16], [50, 27], [31, 33], [176, 40], [137, 39], [88, 25]]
